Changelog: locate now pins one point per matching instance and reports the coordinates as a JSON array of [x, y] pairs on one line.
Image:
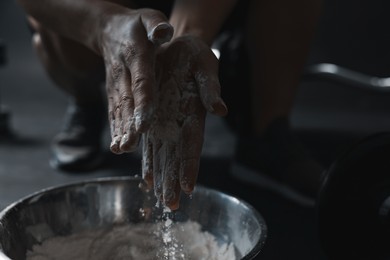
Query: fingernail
[[188, 175], [162, 33], [219, 107], [173, 205], [115, 145], [170, 199], [123, 142]]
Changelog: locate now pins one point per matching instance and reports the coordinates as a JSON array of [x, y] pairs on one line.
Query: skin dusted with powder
[[187, 64], [188, 88], [131, 43], [130, 73]]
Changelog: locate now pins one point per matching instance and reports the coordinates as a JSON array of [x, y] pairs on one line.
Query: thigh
[[69, 56]]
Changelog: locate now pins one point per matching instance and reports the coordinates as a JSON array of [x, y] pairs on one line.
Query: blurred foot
[[78, 146], [278, 162]]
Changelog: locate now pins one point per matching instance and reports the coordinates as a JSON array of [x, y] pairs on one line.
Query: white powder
[[164, 240]]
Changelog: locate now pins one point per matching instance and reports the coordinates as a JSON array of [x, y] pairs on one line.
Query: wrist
[[185, 24], [183, 30]]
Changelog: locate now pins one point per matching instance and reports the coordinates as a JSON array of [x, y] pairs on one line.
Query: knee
[[58, 52]]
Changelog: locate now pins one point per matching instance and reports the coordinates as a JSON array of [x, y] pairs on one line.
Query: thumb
[[157, 27]]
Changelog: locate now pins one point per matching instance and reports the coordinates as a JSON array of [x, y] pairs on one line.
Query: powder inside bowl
[[163, 240]]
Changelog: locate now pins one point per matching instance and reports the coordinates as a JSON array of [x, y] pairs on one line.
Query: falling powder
[[137, 241]]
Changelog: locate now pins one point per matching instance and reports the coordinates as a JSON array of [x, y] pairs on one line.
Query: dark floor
[[328, 118]]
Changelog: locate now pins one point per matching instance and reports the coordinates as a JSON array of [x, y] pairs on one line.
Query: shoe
[[78, 146], [278, 162]]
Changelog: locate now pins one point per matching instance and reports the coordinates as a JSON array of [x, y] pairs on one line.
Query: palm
[[173, 144]]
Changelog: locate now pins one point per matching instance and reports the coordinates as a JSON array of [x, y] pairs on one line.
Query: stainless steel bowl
[[68, 209]]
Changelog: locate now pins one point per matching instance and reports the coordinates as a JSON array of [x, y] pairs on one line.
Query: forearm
[[80, 20], [201, 18]]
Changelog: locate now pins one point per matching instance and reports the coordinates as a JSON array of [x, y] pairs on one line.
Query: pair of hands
[[159, 88]]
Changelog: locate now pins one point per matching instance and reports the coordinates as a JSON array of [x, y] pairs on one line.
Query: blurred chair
[[341, 75]]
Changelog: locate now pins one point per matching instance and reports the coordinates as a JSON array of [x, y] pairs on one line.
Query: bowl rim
[[35, 195], [53, 188]]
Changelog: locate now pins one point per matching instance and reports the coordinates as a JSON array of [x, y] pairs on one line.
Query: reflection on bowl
[[104, 202]]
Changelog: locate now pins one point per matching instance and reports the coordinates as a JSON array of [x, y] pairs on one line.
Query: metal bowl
[[88, 205]]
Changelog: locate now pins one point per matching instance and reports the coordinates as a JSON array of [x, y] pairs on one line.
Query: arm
[[200, 18], [81, 21], [86, 21]]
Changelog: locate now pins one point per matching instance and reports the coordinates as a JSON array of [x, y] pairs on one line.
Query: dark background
[[327, 116]]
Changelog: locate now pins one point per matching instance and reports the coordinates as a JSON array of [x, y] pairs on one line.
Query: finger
[[157, 27], [171, 172], [112, 73], [147, 160], [208, 84], [111, 116], [191, 149], [140, 62], [210, 93], [161, 33], [130, 137], [117, 133], [157, 173]]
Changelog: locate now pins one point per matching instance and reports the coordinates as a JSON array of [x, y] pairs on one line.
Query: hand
[[128, 46], [188, 86]]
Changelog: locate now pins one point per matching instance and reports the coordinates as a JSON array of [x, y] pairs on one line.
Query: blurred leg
[[72, 67], [277, 42], [279, 34]]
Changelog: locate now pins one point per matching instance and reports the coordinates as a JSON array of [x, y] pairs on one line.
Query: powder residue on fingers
[[166, 135]]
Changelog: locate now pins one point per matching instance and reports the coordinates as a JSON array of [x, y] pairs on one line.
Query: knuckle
[[116, 71], [125, 100], [129, 51], [133, 51], [139, 82]]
